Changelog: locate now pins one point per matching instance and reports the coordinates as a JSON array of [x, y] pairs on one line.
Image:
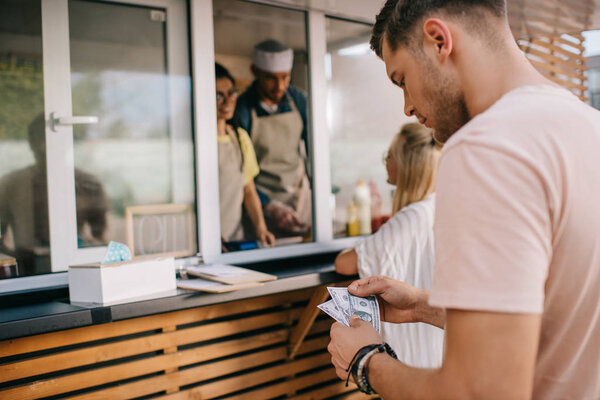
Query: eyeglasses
[[222, 97], [386, 157]]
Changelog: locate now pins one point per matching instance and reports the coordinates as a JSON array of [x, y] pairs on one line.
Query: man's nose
[[409, 109], [281, 85]]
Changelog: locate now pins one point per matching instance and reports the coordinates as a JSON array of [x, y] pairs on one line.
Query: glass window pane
[[141, 150], [364, 112], [263, 49], [23, 185]]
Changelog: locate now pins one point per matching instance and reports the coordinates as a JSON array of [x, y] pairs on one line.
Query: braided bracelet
[[358, 365]]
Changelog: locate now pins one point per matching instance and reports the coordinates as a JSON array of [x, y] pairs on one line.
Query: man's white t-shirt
[[518, 228], [403, 249]]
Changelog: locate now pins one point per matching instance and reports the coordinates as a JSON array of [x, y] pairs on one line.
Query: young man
[[274, 113], [517, 229]]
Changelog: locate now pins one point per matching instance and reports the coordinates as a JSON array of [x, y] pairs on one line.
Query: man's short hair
[[398, 18]]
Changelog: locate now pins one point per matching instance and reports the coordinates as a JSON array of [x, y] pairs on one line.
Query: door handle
[[71, 120]]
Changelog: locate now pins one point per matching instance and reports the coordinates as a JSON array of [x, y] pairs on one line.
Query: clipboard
[[211, 286], [229, 274]]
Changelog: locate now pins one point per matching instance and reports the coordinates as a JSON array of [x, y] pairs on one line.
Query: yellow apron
[[231, 188]]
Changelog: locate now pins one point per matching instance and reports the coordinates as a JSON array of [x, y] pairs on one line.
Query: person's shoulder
[[244, 137], [523, 119], [18, 176], [297, 94], [421, 211], [246, 99], [410, 220]]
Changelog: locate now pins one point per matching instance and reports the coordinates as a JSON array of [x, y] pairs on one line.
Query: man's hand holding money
[[347, 340], [358, 324], [399, 302]]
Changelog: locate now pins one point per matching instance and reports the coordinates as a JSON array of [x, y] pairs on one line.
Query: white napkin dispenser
[[104, 284]]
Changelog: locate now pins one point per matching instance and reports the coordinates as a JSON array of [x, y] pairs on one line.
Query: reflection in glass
[[141, 151], [364, 112], [24, 226], [264, 50]]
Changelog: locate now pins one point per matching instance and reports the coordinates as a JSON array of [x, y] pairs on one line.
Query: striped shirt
[[403, 249]]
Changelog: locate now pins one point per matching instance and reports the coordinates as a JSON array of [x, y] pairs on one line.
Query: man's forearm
[[428, 314], [392, 379]]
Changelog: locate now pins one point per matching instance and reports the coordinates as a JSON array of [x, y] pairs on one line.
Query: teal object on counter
[[116, 252]]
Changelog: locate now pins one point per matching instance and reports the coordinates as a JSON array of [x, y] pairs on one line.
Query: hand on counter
[[266, 237], [284, 216]]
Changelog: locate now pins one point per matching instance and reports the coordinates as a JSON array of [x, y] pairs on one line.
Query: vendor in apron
[[275, 115], [237, 168]]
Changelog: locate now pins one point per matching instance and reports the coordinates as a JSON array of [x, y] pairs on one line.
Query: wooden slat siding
[[132, 369], [576, 44], [82, 380], [571, 55], [322, 325], [189, 376], [170, 350], [551, 58], [558, 70], [100, 376], [325, 392], [558, 55], [127, 327], [556, 42], [184, 377], [228, 365], [237, 383], [563, 9], [551, 20], [282, 388], [307, 319], [147, 344]]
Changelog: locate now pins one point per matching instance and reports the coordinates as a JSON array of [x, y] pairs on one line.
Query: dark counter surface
[[59, 314]]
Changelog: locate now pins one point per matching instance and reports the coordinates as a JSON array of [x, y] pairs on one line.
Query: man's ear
[[254, 70], [436, 33]]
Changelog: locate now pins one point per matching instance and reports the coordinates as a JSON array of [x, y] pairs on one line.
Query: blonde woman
[[403, 247]]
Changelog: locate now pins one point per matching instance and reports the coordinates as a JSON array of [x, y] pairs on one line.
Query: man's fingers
[[369, 286], [355, 321]]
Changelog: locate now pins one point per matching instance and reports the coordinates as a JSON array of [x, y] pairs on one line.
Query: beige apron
[[231, 188], [281, 157]]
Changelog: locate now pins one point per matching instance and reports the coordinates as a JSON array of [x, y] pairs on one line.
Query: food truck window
[[265, 191], [362, 116]]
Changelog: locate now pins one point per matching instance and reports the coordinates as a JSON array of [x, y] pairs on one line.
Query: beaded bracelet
[[358, 365]]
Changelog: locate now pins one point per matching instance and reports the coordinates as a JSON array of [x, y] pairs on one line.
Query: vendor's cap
[[273, 56]]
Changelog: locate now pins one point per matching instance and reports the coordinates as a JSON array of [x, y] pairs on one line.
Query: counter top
[[60, 314]]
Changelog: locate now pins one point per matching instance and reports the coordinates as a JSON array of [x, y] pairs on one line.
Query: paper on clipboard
[[229, 274], [212, 286]]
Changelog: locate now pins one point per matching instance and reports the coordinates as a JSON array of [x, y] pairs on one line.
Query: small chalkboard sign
[[161, 229]]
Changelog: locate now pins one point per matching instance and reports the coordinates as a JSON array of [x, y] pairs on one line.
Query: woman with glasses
[[237, 168], [403, 247]]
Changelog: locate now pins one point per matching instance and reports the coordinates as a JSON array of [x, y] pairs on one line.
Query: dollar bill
[[366, 308], [331, 309], [340, 296]]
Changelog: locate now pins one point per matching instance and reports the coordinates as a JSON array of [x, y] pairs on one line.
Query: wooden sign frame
[[162, 209]]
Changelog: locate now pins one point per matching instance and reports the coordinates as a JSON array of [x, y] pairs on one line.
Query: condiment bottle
[[375, 207], [352, 226], [362, 199]]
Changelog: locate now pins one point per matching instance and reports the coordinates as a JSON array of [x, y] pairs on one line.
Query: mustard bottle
[[352, 223]]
